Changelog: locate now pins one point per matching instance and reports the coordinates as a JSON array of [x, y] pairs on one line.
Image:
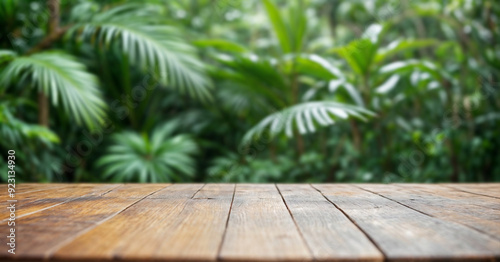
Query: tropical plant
[[157, 157], [69, 77], [270, 90], [64, 79], [273, 84], [33, 144]]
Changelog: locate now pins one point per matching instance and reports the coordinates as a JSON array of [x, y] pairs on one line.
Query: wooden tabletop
[[253, 222]]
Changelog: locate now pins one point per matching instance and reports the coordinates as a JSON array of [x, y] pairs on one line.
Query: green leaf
[[64, 80], [157, 157], [298, 25], [305, 117], [399, 46], [410, 66], [17, 132], [6, 55], [317, 66], [221, 45], [388, 85], [359, 54], [157, 48], [279, 26]]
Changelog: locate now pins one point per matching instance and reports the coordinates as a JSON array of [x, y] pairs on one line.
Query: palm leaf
[[64, 80], [155, 47], [258, 76], [359, 54], [6, 55], [317, 66], [158, 157], [411, 65], [17, 132], [305, 117]]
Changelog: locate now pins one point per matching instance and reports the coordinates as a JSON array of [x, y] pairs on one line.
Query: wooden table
[[254, 222]]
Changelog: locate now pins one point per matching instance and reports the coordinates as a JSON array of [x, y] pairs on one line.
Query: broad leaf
[[280, 29], [221, 45], [399, 46]]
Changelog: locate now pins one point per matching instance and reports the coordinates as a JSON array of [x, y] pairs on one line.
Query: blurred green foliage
[[251, 91]]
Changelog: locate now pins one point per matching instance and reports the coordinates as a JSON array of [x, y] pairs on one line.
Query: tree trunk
[[356, 136], [43, 100], [43, 109], [53, 6]]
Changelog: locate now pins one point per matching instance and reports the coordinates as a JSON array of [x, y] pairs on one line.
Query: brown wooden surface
[[254, 222]]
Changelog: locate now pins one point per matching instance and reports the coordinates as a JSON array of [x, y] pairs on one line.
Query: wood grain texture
[[255, 222], [330, 235], [178, 223], [486, 189], [260, 228], [465, 198], [35, 201], [23, 188], [134, 190], [39, 234], [404, 234], [138, 224], [445, 204]]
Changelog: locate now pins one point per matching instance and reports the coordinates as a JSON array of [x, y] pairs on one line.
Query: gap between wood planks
[[227, 223], [295, 222], [354, 222], [430, 215], [284, 201], [467, 191], [306, 244], [75, 236], [63, 202]]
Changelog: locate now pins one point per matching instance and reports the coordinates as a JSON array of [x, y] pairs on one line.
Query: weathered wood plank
[[179, 223], [486, 189], [141, 223], [405, 234], [188, 222], [260, 228], [444, 204], [23, 188], [330, 235], [41, 233], [135, 190], [40, 200], [464, 198]]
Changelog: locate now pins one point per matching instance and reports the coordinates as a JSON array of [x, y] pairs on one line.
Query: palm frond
[[359, 54], [16, 132], [6, 55], [315, 65], [255, 75], [157, 48], [160, 157], [64, 80], [305, 117], [411, 65]]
